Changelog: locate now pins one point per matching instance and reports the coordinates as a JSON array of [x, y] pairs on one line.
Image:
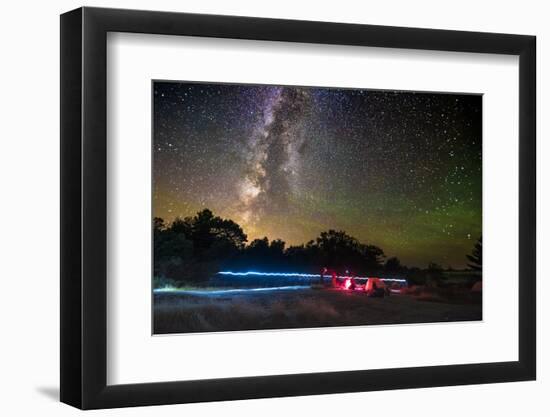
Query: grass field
[[186, 312]]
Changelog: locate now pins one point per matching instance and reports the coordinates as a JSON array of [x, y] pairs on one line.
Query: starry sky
[[400, 170]]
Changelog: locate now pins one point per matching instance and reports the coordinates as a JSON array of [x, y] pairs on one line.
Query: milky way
[[400, 170]]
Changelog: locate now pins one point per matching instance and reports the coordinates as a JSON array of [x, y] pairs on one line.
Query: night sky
[[399, 170]]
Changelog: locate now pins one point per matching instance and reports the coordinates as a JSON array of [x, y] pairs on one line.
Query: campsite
[[258, 301]]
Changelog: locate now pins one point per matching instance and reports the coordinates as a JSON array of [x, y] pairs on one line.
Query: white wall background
[[29, 177]]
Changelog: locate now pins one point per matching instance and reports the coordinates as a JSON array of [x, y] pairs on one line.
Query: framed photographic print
[[340, 207]]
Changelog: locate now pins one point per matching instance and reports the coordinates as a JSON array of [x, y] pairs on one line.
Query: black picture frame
[[84, 207]]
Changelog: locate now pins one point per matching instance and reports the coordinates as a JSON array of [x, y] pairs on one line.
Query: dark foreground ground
[[284, 309]]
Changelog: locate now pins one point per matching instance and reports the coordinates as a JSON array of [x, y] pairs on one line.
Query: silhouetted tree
[[305, 258], [393, 265], [277, 247], [193, 249], [171, 249], [476, 262], [206, 229], [158, 224], [258, 249], [229, 231], [339, 250], [434, 274], [181, 226], [373, 258], [416, 276]]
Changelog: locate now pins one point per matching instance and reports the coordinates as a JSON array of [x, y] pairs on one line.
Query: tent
[[375, 287], [477, 287]]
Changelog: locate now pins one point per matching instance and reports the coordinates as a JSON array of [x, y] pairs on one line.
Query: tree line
[[192, 249]]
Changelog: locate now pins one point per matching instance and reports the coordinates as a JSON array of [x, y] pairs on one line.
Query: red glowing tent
[[373, 284]]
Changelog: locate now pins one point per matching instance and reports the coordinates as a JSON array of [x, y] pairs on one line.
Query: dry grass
[[216, 314], [299, 309]]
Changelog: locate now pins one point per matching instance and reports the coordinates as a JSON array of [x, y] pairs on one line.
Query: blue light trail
[[299, 275], [229, 291]]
